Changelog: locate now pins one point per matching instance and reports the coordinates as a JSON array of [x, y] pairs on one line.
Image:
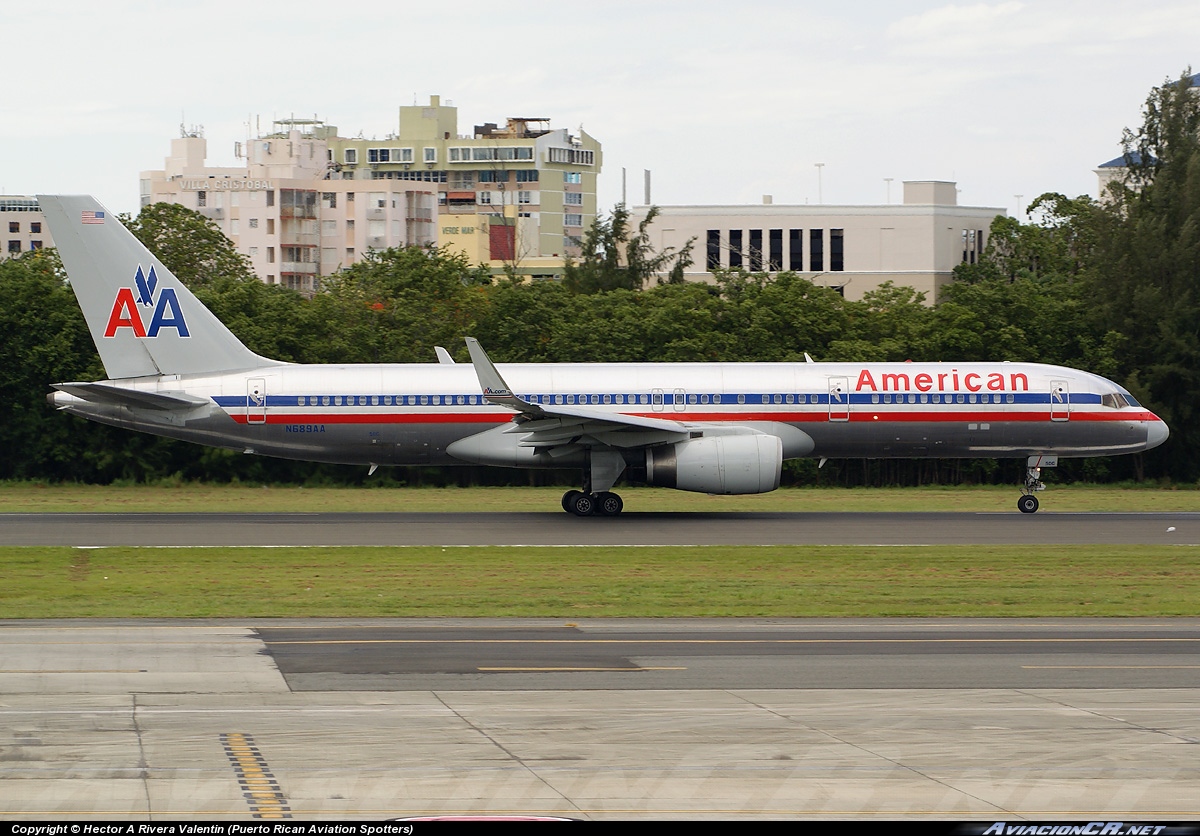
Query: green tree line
[[1110, 286]]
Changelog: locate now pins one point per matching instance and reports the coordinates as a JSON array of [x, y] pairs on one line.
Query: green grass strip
[[16, 497], [706, 581]]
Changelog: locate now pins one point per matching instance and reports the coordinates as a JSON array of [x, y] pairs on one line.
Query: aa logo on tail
[[127, 313]]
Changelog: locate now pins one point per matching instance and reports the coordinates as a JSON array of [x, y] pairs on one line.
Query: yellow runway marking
[[558, 670], [734, 641], [259, 787]]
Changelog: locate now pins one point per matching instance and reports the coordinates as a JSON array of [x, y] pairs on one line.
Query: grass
[[34, 498], [712, 581]]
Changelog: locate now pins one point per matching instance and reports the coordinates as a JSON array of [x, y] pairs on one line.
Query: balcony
[[305, 267]]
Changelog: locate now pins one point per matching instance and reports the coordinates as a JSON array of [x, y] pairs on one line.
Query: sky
[[723, 102]]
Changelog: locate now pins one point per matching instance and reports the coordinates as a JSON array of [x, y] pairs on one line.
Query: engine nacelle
[[723, 464]]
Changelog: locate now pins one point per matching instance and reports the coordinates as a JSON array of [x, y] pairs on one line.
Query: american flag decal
[[90, 217]]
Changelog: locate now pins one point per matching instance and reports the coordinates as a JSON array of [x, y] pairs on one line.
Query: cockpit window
[[1114, 400]]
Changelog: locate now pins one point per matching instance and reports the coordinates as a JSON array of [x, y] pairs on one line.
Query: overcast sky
[[723, 101]]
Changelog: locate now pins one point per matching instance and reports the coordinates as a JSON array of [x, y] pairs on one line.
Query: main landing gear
[[1028, 503], [603, 504], [603, 469]]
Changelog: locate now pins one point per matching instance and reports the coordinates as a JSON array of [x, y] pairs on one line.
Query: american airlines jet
[[723, 428]]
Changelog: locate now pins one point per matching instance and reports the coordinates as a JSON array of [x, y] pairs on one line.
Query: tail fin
[[143, 320]]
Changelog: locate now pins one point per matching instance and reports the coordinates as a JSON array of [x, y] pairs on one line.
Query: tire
[[608, 504], [568, 501], [583, 504], [1027, 504]]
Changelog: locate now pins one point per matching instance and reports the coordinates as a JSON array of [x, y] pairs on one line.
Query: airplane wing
[[119, 396], [560, 425]]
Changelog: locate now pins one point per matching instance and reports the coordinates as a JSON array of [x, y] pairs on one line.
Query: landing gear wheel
[[582, 504], [608, 504], [1027, 504], [568, 501]]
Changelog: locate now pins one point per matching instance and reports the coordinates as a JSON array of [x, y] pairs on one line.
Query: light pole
[[819, 167]]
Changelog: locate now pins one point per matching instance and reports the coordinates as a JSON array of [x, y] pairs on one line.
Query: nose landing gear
[[1028, 503]]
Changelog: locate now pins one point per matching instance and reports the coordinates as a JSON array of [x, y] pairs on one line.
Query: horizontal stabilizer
[[120, 396]]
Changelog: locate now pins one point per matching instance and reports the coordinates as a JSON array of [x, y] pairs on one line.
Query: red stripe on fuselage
[[856, 415]]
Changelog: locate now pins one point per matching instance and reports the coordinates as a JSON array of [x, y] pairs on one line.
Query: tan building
[[22, 220], [853, 249], [530, 188], [309, 202]]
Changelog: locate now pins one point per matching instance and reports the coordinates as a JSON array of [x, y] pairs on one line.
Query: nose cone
[[1156, 434]]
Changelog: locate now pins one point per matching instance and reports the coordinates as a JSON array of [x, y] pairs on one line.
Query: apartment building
[[284, 211], [22, 220], [308, 202], [853, 249]]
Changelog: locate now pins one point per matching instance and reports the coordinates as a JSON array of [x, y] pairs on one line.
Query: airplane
[[175, 370]]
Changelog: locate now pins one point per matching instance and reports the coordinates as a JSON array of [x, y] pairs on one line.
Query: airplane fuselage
[[414, 414]]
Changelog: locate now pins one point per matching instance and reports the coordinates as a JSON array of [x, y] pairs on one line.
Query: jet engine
[[722, 464]]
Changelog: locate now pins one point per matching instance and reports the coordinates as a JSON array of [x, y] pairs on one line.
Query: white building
[[853, 249], [21, 218], [284, 211]]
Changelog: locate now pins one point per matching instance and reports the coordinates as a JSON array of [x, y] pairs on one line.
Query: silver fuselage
[[413, 414]]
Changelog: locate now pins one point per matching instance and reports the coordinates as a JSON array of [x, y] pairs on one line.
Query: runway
[[612, 719], [631, 528]]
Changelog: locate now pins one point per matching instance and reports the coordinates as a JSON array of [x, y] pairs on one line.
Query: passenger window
[[741, 398]]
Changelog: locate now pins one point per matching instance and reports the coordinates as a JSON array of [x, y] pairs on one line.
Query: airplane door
[[1060, 400], [839, 399], [680, 400], [256, 401], [656, 400]]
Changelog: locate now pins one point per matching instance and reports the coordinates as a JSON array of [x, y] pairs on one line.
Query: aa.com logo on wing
[[161, 309]]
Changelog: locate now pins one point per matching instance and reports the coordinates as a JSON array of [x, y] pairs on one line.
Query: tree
[[189, 244], [615, 257], [1145, 282]]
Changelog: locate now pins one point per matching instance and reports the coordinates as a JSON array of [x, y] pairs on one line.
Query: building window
[[402, 155], [270, 226], [14, 246], [35, 245], [527, 176], [795, 250], [254, 252], [524, 197], [816, 250], [254, 223], [329, 200], [775, 257], [756, 251], [712, 259], [431, 155], [350, 156], [574, 177], [14, 226], [379, 155], [485, 198], [35, 228], [201, 199], [270, 197], [573, 198], [572, 220], [735, 248], [270, 255], [837, 252]]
